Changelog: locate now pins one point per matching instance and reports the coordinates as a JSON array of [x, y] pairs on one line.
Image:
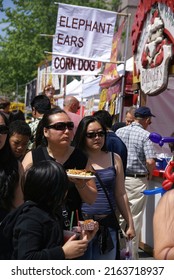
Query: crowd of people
[[39, 201]]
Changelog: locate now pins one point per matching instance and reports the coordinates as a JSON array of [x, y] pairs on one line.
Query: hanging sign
[[152, 40], [72, 66], [83, 32]]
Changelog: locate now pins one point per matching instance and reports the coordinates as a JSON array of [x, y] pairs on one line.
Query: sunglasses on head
[[3, 129], [94, 134], [62, 126]]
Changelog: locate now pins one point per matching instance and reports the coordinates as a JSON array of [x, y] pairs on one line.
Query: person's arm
[[18, 197], [122, 199], [35, 238], [18, 194], [27, 161], [150, 163], [163, 227], [87, 189]]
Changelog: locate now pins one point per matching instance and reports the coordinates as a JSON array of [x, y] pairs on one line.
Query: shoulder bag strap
[[107, 196], [119, 232]]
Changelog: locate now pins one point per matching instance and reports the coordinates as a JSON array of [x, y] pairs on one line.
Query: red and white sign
[[110, 73], [152, 42]]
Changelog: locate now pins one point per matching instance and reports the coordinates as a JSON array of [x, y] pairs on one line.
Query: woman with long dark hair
[[10, 170], [10, 182], [36, 227], [90, 137]]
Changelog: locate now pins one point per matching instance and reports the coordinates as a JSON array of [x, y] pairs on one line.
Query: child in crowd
[[36, 227]]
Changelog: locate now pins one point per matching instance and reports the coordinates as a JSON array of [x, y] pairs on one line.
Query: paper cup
[[67, 234]]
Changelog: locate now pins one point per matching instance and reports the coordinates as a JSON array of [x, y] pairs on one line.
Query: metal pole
[[124, 70], [17, 89]]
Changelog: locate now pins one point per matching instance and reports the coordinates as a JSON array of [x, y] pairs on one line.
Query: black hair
[[41, 103], [9, 173], [4, 118], [79, 140], [9, 179], [104, 117], [118, 125], [44, 122], [4, 103], [20, 127], [46, 183], [5, 152], [16, 115]]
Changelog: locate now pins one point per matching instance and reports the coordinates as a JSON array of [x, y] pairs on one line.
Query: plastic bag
[[126, 252]]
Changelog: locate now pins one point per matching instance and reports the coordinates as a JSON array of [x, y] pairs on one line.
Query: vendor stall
[[153, 53]]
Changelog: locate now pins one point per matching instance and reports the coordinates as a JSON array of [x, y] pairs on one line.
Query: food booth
[[153, 52]]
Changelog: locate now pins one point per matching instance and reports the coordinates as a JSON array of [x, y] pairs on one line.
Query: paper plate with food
[[80, 174]]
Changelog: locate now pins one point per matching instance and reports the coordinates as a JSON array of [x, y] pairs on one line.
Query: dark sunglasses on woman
[[61, 126], [94, 134]]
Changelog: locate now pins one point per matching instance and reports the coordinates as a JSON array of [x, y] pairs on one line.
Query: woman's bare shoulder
[[28, 160], [165, 205], [117, 158], [168, 197]]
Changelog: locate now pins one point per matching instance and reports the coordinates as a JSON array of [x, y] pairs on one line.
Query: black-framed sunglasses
[[94, 134], [61, 126], [3, 129]]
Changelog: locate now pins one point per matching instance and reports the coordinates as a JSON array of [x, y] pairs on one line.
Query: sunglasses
[[62, 126], [49, 88], [94, 134], [3, 129]]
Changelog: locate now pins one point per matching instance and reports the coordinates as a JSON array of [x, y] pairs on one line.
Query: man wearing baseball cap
[[140, 165], [143, 112]]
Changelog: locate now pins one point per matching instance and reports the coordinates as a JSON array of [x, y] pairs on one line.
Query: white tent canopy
[[88, 86], [129, 66], [74, 88], [85, 89]]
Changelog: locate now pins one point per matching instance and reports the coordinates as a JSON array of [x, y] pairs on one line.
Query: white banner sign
[[83, 32], [72, 66]]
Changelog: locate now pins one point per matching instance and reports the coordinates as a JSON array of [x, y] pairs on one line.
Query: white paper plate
[[78, 176]]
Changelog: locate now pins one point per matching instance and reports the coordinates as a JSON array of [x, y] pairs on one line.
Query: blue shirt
[[116, 145]]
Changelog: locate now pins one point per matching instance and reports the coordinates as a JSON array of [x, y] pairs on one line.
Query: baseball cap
[[143, 112]]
